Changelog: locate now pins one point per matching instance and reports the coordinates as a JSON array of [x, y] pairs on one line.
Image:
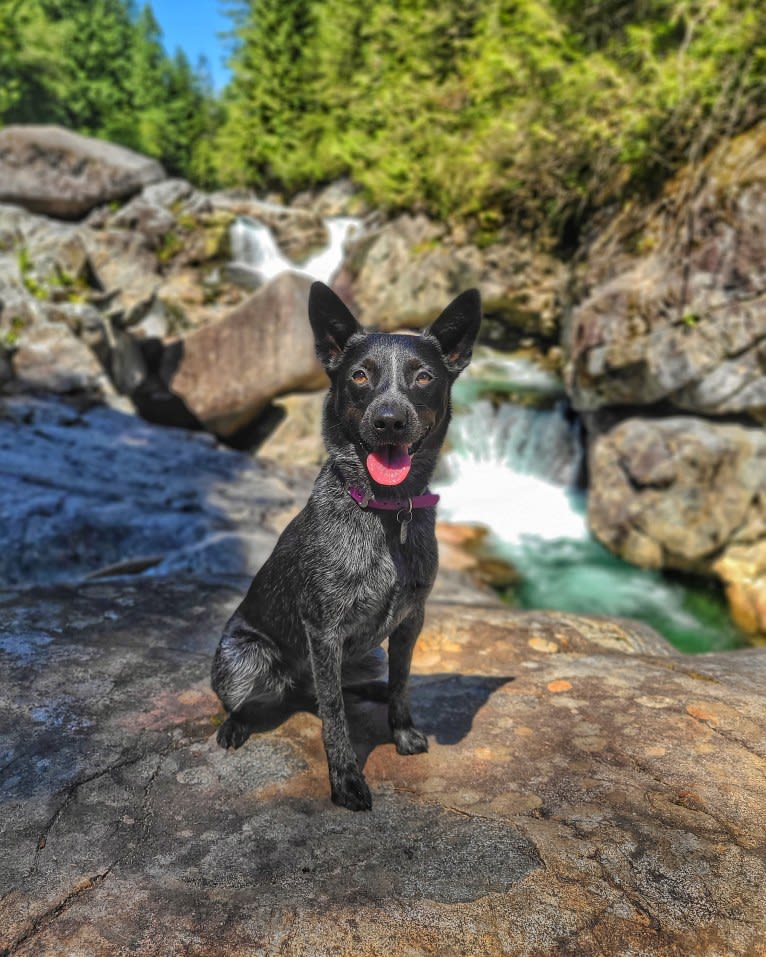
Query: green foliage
[[533, 111], [99, 68], [528, 112], [10, 338]]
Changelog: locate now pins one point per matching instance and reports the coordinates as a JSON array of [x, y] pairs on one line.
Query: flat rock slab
[[587, 791]]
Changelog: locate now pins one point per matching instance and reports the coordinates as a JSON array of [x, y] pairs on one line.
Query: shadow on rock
[[444, 707]]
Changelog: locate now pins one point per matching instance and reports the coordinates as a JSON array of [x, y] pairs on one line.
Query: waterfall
[[514, 469], [253, 245], [255, 251]]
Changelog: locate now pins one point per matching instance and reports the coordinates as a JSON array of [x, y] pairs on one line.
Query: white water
[[513, 469], [254, 247]]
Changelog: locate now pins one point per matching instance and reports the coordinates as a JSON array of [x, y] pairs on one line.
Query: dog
[[356, 565]]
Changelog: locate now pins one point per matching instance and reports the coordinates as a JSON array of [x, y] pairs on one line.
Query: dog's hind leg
[[400, 646], [246, 670]]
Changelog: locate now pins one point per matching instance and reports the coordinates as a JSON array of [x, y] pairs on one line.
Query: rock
[[340, 198], [47, 355], [687, 494], [126, 270], [742, 568], [580, 774], [54, 171], [400, 274], [674, 309], [228, 372], [397, 273], [152, 220], [116, 489], [297, 439], [298, 232]]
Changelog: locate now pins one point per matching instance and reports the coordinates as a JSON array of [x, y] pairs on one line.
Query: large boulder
[[227, 373], [586, 792], [688, 494], [673, 308], [54, 171]]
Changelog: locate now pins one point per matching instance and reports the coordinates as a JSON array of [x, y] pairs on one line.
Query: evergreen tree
[[270, 96]]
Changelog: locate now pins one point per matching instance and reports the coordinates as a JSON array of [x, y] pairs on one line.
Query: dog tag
[[404, 517]]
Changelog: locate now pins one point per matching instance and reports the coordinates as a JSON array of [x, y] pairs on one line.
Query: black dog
[[356, 565]]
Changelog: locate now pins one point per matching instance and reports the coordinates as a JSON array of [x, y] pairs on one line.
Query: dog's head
[[388, 407]]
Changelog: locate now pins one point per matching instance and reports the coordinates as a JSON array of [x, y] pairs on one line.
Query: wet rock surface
[[587, 791]]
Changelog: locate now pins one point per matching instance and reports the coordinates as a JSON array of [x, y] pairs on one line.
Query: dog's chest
[[394, 582]]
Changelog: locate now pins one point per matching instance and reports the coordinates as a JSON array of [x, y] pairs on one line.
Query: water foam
[[254, 247]]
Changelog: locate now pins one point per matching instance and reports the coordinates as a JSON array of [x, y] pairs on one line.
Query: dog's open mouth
[[390, 464]]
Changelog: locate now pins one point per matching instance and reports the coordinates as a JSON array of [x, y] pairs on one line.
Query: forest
[[528, 113]]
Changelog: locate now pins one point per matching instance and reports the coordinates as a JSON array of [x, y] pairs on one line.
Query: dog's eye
[[423, 377], [360, 377]]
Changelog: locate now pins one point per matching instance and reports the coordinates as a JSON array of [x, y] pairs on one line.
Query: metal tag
[[404, 521]]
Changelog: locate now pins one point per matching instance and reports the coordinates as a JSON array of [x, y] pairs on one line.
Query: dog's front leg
[[349, 789], [401, 643]]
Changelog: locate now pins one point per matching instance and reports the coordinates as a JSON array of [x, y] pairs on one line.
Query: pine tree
[[270, 96]]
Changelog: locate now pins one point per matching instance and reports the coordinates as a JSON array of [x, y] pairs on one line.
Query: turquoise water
[[514, 469]]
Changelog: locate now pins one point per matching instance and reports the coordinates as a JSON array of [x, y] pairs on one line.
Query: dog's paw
[[410, 741], [232, 734], [349, 789]]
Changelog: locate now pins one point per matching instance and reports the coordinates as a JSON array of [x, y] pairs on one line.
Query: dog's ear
[[332, 323], [456, 329]]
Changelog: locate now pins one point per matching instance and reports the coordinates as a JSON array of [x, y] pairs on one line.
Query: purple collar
[[392, 504]]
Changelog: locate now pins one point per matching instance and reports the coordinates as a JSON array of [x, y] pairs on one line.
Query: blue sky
[[193, 25]]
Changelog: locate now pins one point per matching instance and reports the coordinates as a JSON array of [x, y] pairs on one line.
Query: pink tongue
[[389, 464]]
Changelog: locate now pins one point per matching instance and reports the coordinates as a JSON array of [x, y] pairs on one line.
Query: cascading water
[[255, 250], [514, 469]]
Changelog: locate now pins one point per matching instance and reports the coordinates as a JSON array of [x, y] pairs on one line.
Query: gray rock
[[126, 270], [297, 439], [396, 273], [54, 171], [83, 490], [586, 791]]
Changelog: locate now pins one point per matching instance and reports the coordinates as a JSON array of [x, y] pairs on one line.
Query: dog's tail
[[247, 667]]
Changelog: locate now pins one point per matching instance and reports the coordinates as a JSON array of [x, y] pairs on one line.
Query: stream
[[513, 464]]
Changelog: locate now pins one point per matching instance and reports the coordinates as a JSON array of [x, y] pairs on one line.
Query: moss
[[170, 245], [10, 338]]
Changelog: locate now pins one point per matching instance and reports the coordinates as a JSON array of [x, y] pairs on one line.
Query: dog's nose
[[389, 420]]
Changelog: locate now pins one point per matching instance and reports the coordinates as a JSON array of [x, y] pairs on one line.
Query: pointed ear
[[332, 323], [456, 329]]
